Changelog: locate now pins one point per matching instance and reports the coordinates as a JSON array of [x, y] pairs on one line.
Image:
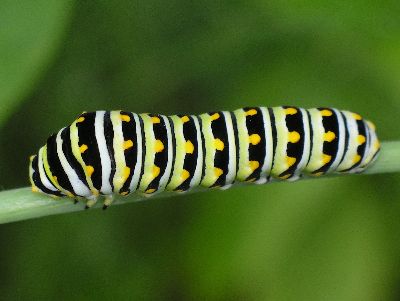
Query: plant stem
[[20, 204]]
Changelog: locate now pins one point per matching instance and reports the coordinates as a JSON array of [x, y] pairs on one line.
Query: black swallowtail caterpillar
[[118, 152]]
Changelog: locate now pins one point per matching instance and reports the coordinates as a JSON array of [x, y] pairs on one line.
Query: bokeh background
[[328, 239]]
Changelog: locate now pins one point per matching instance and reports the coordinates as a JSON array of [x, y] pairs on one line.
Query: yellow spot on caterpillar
[[70, 195], [185, 119], [83, 148], [35, 189], [356, 116], [290, 111], [251, 112], [125, 173], [294, 137], [55, 179], [158, 146], [80, 119], [326, 113], [219, 145], [185, 175], [329, 136], [215, 116], [89, 170], [326, 158], [125, 118], [155, 119], [151, 190], [218, 171], [128, 144], [318, 174], [361, 139], [124, 192], [285, 177], [377, 145], [254, 165], [189, 148], [356, 159], [254, 139], [290, 161], [156, 171]]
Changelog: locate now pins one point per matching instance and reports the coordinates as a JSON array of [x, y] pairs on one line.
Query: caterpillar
[[104, 153]]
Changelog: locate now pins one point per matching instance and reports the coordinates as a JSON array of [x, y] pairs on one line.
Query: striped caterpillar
[[118, 152]]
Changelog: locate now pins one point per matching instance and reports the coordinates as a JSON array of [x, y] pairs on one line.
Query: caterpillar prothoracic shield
[[117, 152]]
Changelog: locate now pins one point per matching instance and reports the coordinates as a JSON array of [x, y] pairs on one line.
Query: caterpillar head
[[38, 177]]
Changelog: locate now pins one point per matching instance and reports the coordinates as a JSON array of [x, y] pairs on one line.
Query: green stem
[[21, 204]]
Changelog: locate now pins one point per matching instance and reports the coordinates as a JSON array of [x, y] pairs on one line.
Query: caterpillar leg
[[107, 201], [91, 202], [78, 199]]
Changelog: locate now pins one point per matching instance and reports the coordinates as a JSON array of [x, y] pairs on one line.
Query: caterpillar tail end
[[372, 149]]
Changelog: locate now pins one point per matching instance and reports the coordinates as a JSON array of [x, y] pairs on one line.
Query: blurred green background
[[328, 239]]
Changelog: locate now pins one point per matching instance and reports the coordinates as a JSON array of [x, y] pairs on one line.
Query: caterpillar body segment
[[118, 152]]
